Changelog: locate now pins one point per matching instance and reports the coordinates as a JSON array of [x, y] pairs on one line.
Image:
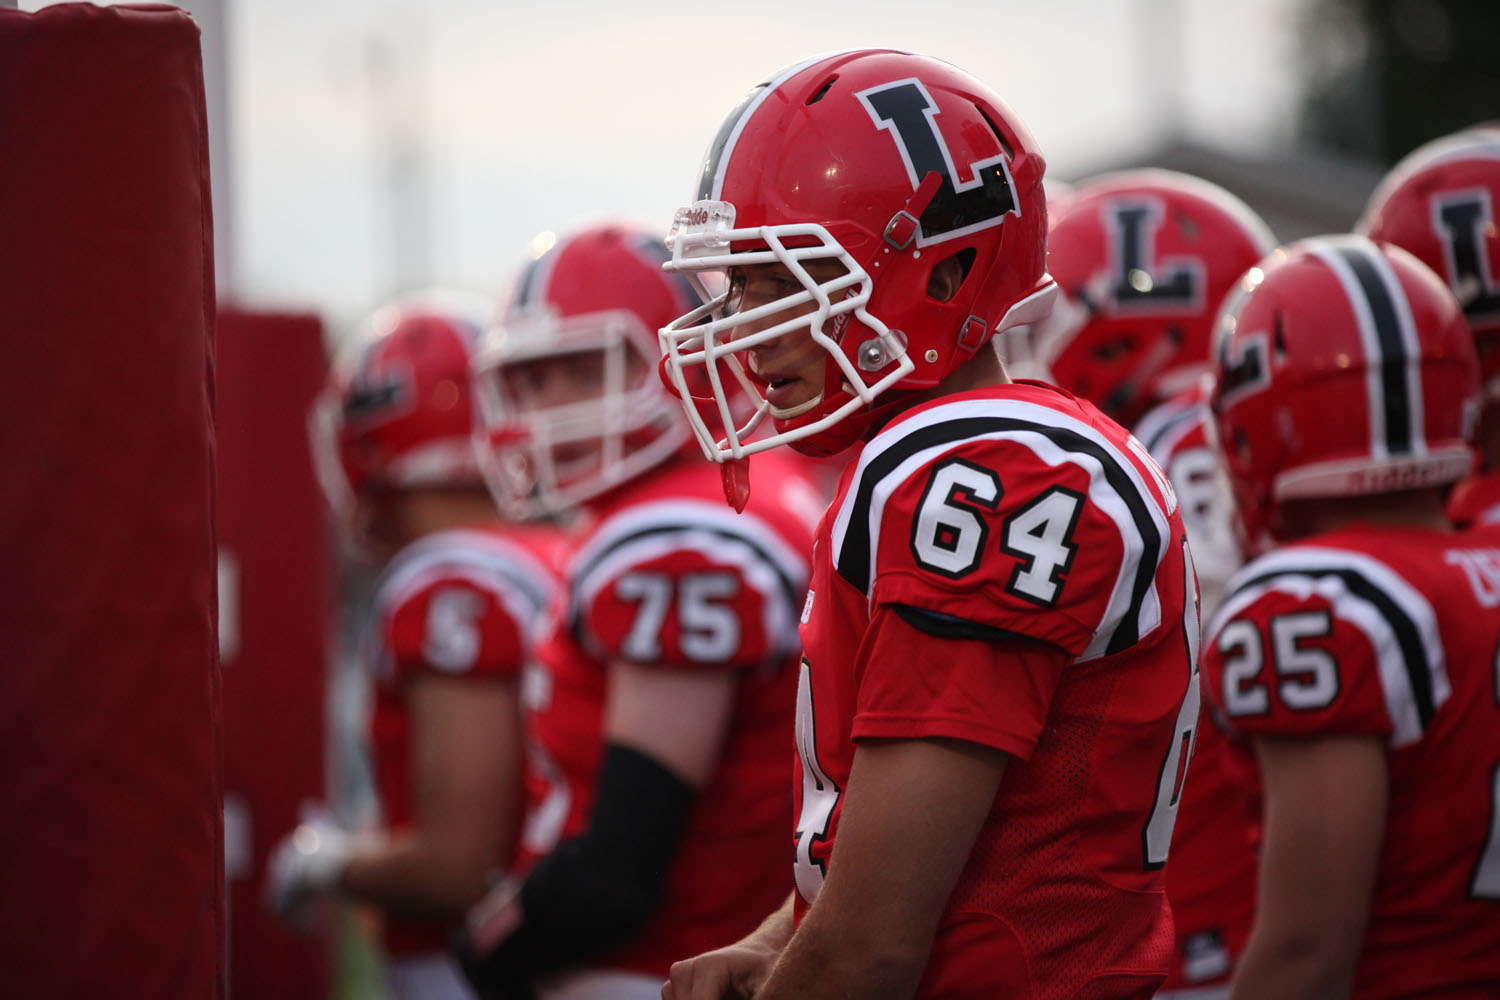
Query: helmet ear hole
[[949, 274]]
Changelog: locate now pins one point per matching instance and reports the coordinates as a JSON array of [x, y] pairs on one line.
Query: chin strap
[[735, 475], [906, 224]]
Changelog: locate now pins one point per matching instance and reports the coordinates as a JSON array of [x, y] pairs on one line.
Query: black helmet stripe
[[653, 253], [531, 287], [1390, 341]]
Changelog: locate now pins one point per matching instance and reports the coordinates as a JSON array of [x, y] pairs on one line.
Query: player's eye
[[783, 285], [734, 298]]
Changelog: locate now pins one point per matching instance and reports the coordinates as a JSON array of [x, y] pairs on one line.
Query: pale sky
[[545, 116]]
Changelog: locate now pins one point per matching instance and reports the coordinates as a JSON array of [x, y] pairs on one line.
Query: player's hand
[[304, 868], [479, 944], [735, 972]]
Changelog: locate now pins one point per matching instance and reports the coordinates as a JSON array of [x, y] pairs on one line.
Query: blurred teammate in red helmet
[[1442, 203], [447, 635], [1144, 258], [1357, 649], [999, 683], [660, 719]]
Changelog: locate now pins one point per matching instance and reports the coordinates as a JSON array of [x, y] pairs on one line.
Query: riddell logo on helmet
[[695, 216], [838, 325], [1401, 477]]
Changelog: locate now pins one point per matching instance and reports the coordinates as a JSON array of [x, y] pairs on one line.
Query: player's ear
[[947, 275]]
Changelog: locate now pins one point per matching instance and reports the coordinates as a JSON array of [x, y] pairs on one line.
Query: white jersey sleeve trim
[[521, 584], [1117, 487], [650, 531], [1394, 616]]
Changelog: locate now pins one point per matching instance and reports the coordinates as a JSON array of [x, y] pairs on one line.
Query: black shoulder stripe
[[1408, 635], [791, 589], [1165, 429], [935, 623], [853, 562]]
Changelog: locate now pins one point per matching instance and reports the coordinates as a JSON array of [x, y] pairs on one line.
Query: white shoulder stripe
[[1304, 571], [1040, 419], [767, 563], [491, 563], [517, 580], [649, 517]]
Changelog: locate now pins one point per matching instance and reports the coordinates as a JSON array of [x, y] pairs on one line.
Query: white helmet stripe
[[1392, 351], [716, 159]]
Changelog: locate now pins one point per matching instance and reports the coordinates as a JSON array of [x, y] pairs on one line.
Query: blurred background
[[364, 147]]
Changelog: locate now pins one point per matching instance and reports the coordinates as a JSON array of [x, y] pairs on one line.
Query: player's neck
[[1487, 438], [983, 370], [979, 372], [424, 512], [1407, 509]]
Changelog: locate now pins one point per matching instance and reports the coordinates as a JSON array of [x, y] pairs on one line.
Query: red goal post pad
[[111, 849], [275, 606]]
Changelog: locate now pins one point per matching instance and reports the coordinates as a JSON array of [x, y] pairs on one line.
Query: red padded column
[[111, 855], [274, 614]]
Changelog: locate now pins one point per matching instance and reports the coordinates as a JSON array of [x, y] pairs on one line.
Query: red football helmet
[[887, 163], [397, 411], [1143, 258], [1343, 368], [595, 300], [1442, 202]]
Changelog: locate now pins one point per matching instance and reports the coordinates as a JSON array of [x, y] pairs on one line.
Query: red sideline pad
[[274, 641], [110, 835]]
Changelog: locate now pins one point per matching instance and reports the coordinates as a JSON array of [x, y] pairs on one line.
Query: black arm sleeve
[[596, 891]]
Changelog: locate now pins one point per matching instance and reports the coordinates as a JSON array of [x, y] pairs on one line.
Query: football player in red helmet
[[1016, 344], [1357, 650], [1144, 258], [1442, 203], [657, 807], [448, 632], [999, 683]]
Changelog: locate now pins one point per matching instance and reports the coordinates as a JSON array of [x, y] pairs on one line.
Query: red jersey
[[1476, 500], [670, 576], [458, 603], [1390, 633], [1015, 509], [1211, 880], [1177, 436]]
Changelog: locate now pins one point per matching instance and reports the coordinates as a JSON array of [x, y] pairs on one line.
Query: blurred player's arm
[[676, 717], [466, 774], [664, 729], [1325, 817], [736, 971], [869, 932]]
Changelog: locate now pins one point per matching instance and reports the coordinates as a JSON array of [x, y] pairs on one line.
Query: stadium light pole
[[394, 83]]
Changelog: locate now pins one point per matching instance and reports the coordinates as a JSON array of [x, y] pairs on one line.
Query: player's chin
[[792, 398]]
